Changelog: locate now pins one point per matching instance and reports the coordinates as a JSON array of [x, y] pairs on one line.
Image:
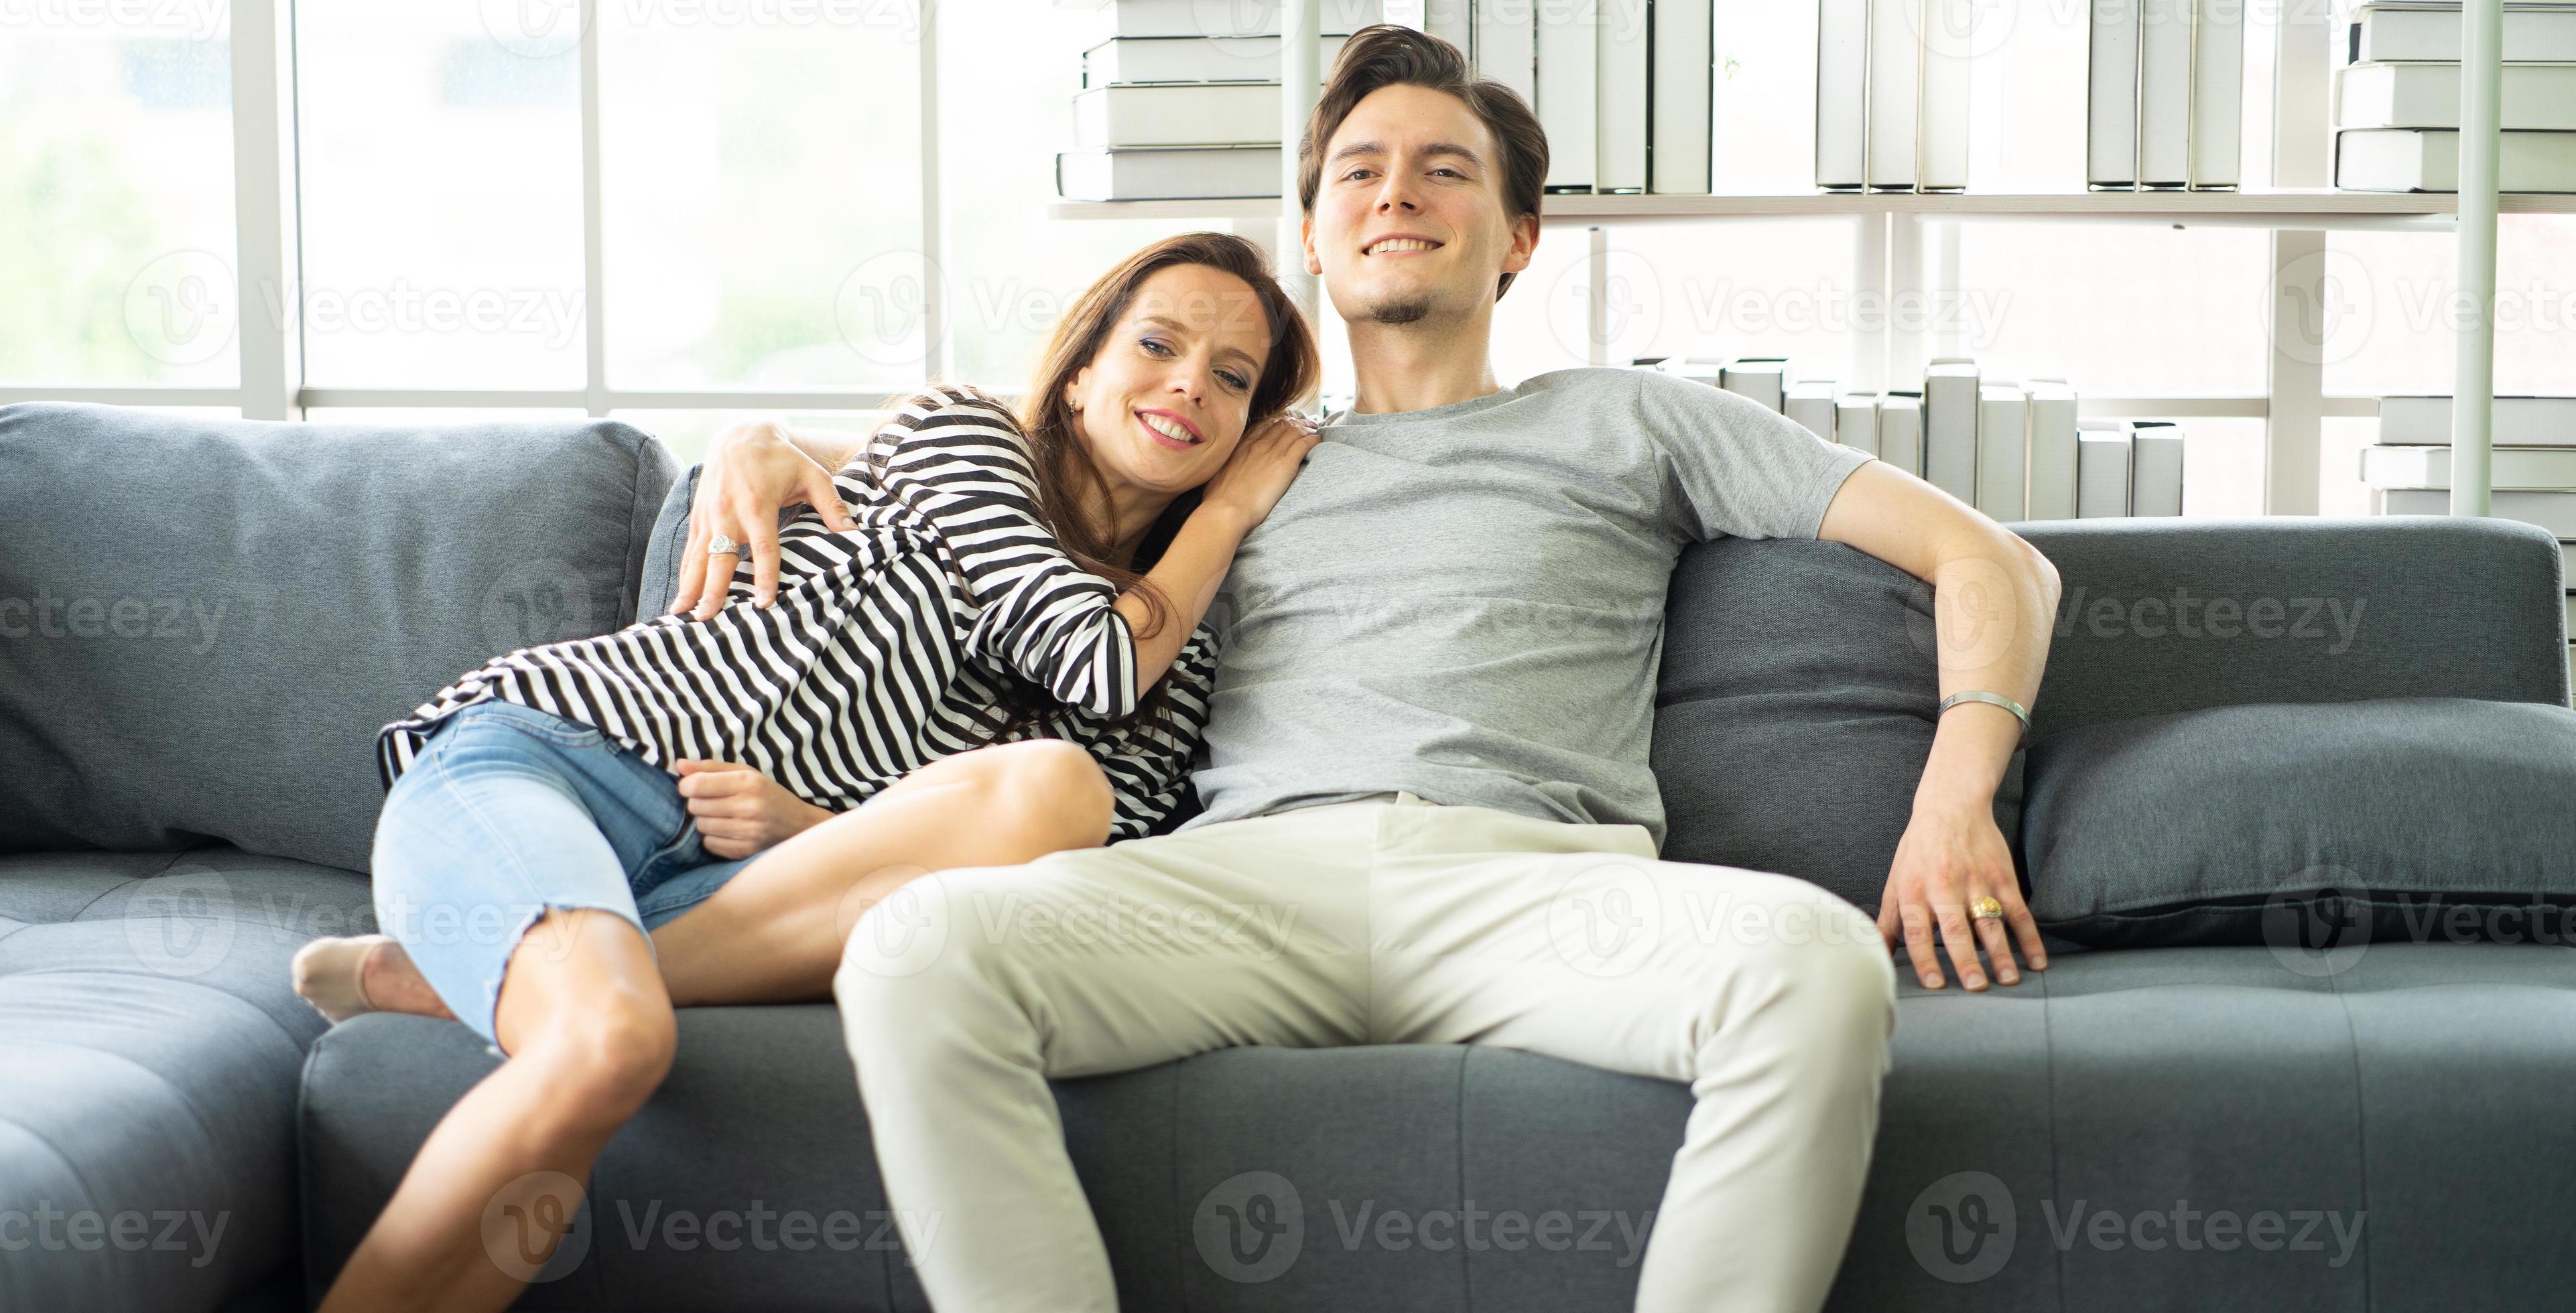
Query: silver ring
[[719, 545]]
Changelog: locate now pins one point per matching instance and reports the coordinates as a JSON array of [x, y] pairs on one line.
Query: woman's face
[[1165, 399]]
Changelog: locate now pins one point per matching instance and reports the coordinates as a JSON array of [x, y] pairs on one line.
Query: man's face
[[1409, 220]]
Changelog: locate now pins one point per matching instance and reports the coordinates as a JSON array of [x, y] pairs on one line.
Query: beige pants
[[1377, 922]]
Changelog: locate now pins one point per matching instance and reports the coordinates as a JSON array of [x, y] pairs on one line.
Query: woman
[[948, 649]]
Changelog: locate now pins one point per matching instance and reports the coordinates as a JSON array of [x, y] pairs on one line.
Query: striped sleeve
[[1149, 765], [957, 459]]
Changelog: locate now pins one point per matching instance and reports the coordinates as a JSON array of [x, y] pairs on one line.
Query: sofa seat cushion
[[150, 1044], [2398, 818], [2116, 1081]]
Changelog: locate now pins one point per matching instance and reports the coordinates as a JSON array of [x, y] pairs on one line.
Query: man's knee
[[1818, 957], [911, 957]]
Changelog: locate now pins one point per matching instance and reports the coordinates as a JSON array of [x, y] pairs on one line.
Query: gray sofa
[[179, 810]]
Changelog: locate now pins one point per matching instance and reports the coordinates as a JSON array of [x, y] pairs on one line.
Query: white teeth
[[1167, 428], [1399, 244]]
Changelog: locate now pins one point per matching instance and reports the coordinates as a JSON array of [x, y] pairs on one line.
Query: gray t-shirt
[[1467, 602]]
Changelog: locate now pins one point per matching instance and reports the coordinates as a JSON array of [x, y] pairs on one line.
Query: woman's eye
[[1156, 346], [1235, 381]]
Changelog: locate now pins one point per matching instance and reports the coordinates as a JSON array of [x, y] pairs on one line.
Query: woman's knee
[[1047, 794], [608, 1057]]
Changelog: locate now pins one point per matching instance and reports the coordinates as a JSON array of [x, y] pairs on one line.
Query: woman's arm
[[1195, 565]]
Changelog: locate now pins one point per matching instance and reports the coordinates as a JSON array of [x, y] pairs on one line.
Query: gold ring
[[1988, 908]]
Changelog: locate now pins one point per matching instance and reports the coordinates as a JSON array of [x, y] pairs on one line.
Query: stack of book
[[2397, 104], [1625, 89], [2534, 474], [2165, 94], [2014, 451], [1180, 99], [1892, 93]]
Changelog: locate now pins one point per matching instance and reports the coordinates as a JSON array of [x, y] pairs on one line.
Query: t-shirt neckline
[[1451, 411]]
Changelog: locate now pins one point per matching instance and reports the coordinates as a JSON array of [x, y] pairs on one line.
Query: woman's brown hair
[[1064, 467]]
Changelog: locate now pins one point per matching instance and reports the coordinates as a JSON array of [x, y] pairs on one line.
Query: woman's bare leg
[[773, 933], [590, 1034]]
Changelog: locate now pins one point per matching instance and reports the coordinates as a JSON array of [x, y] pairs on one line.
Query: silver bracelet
[[1980, 695]]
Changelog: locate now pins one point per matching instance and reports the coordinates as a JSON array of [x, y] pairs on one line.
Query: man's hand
[[751, 470], [740, 811], [1952, 855]]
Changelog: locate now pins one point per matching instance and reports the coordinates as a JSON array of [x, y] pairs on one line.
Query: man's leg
[[1770, 997], [962, 993]]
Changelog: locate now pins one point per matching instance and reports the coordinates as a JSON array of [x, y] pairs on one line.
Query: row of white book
[[2397, 104], [1892, 82], [2165, 94], [2533, 474], [2013, 451], [1180, 98]]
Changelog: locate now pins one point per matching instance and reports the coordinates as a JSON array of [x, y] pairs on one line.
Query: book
[[1681, 97], [1950, 428], [1900, 430], [1225, 18], [1507, 45], [2553, 511], [2111, 97], [2428, 159], [1810, 404], [2532, 33], [2003, 450], [2155, 467], [1569, 91], [1856, 421], [2428, 96], [2522, 469], [1625, 76], [1895, 89], [1178, 114], [2164, 93], [1698, 369], [2515, 422], [1842, 94], [1758, 377], [1167, 173], [1941, 136], [2217, 93], [1189, 59], [2052, 450], [2101, 469]]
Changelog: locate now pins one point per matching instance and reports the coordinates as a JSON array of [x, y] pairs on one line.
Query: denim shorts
[[508, 811]]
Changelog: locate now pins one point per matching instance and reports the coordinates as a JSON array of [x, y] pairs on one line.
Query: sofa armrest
[[2165, 615]]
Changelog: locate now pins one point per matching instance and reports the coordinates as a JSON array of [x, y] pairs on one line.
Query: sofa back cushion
[[204, 622]]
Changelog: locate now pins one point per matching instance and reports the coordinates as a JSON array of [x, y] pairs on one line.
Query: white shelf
[[2273, 208]]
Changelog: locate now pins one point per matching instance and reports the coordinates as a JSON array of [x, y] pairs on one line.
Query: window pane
[[763, 196], [2118, 309], [2391, 330], [441, 172], [1008, 73], [116, 195]]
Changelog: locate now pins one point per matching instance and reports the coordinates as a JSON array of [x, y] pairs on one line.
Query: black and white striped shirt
[[886, 644]]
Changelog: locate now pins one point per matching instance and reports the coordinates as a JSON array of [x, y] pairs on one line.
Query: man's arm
[[1995, 599]]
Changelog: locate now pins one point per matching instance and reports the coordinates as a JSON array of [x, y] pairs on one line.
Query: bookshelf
[[1887, 250]]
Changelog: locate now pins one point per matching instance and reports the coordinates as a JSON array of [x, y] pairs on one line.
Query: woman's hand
[[740, 811], [1951, 856], [1261, 468], [751, 470]]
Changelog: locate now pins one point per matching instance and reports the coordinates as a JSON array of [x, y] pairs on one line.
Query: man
[[1427, 752]]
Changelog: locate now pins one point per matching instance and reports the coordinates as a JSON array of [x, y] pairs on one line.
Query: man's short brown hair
[[1389, 56]]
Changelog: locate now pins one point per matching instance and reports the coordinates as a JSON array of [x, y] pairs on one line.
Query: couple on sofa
[[879, 750]]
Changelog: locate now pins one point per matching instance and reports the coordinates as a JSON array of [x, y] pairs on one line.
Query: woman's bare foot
[[342, 977]]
